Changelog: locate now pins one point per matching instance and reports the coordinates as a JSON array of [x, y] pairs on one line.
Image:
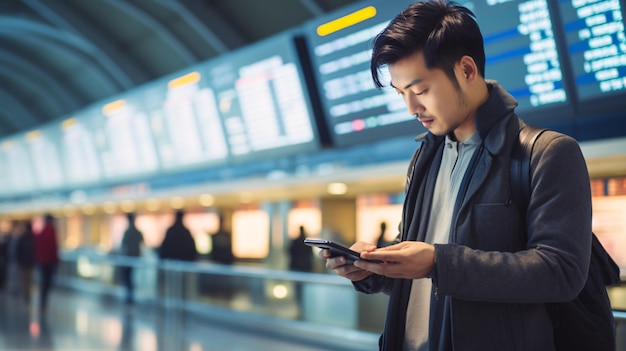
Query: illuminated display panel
[[355, 110], [521, 51], [263, 100], [521, 55], [596, 42], [16, 167], [43, 151], [78, 150], [186, 125], [123, 138]]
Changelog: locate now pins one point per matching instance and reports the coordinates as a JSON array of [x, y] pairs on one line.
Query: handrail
[[206, 267]]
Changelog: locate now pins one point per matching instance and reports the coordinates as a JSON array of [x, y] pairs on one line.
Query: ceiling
[[57, 57]]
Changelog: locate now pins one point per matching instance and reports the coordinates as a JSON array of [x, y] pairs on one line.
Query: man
[[46, 258], [222, 251], [178, 243], [300, 254], [131, 245], [463, 272]]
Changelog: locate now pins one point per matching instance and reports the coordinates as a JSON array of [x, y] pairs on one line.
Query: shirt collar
[[472, 140]]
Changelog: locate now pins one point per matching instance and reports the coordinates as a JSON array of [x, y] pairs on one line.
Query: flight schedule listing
[[521, 50], [262, 100], [355, 110], [597, 45]]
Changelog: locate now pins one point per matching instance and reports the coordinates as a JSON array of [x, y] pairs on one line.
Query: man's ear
[[468, 67]]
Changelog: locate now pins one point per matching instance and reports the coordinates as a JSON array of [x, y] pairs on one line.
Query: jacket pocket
[[493, 227]]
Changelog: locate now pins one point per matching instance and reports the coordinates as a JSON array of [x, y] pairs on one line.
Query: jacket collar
[[498, 106]]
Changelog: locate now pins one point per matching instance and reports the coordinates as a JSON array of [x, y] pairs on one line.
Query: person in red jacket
[[46, 258]]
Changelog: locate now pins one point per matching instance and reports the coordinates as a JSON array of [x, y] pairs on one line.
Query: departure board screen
[[78, 150], [521, 51], [43, 151], [185, 122], [596, 41], [355, 110], [263, 100], [17, 170], [521, 54], [123, 139]]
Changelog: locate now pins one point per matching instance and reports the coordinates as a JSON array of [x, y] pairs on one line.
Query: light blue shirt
[[455, 160]]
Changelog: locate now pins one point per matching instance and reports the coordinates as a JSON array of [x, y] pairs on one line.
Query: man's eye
[[421, 92]]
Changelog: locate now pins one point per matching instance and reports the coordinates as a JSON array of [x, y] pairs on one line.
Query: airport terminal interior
[[256, 121]]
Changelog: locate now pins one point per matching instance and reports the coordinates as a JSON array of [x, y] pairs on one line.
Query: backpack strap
[[520, 193], [520, 166]]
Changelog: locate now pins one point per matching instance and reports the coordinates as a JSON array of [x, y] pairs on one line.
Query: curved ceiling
[[57, 57]]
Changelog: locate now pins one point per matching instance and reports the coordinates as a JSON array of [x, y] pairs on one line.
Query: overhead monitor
[[77, 140], [185, 122], [522, 52], [340, 50], [17, 173], [123, 138], [263, 100], [596, 45], [44, 154]]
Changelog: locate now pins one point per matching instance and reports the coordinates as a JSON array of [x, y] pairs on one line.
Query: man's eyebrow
[[413, 82]]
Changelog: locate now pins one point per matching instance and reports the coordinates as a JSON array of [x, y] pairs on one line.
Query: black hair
[[443, 30]]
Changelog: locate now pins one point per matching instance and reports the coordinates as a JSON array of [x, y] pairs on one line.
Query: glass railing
[[272, 300]]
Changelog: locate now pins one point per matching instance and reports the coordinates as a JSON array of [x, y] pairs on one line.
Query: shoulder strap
[[520, 165]]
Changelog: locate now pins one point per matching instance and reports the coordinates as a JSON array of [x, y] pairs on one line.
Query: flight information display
[[521, 51], [185, 122], [355, 110], [521, 54], [43, 153], [81, 163], [596, 41], [16, 168], [263, 100], [123, 138]]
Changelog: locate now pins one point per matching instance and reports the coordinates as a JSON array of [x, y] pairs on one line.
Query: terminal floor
[[80, 322]]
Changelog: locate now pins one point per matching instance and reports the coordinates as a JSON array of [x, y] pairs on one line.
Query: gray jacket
[[491, 282]]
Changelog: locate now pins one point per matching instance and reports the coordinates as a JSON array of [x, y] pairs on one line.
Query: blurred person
[[13, 269], [178, 243], [222, 245], [382, 242], [300, 259], [46, 258], [467, 271], [26, 258], [300, 254], [131, 246], [4, 258]]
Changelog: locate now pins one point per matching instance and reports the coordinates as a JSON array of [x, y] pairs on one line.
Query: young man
[[463, 274]]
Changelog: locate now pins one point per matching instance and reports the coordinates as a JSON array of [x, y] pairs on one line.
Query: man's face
[[430, 95]]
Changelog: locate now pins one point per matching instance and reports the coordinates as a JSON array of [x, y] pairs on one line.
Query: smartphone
[[337, 249]]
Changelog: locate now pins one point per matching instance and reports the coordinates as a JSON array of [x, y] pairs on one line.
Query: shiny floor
[[81, 322]]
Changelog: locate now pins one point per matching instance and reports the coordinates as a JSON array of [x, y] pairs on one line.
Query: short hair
[[443, 30]]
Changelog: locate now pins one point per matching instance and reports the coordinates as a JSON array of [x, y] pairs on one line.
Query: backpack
[[587, 322]]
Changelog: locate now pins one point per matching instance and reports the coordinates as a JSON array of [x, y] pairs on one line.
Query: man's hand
[[408, 259], [342, 267]]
